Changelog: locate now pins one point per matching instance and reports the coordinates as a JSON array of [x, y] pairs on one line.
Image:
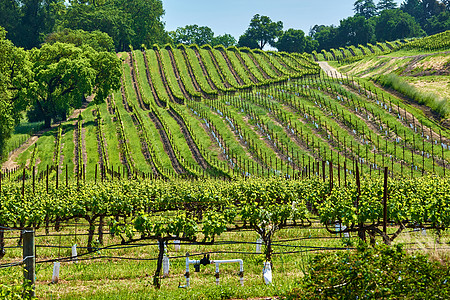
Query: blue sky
[[233, 16]]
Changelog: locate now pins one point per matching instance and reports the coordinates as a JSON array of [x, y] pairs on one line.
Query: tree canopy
[[200, 35], [395, 24], [64, 74], [128, 22], [262, 31], [292, 40], [365, 8], [98, 40], [192, 34], [226, 40], [355, 30], [14, 75], [385, 5]]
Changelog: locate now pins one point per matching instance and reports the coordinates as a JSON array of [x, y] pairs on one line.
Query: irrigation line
[[15, 263], [9, 229]]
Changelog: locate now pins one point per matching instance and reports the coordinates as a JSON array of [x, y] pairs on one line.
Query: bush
[[373, 273]]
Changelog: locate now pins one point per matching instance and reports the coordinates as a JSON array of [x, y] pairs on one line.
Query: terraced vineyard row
[[352, 53], [197, 112]]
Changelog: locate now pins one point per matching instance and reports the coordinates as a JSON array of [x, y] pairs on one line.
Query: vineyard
[[213, 147]]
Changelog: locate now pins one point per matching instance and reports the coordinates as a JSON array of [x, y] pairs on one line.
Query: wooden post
[[1, 175], [34, 178], [339, 173], [323, 170], [358, 184], [95, 173], [46, 181], [385, 199], [57, 176], [23, 183], [29, 259], [331, 176]]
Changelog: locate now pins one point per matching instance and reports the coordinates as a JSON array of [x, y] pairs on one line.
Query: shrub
[[374, 273]]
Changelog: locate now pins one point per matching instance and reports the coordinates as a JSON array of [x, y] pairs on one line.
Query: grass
[[435, 84], [113, 278], [90, 141], [433, 101]]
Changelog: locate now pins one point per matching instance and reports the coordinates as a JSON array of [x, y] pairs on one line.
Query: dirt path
[[329, 69]]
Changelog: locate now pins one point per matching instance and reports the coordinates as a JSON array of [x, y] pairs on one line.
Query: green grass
[[436, 103], [90, 141], [113, 278], [68, 149]]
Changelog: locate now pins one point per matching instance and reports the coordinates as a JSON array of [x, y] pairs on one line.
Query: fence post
[[29, 259], [385, 199]]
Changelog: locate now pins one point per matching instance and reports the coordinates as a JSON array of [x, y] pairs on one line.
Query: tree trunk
[[48, 121], [362, 234], [91, 235], [268, 245]]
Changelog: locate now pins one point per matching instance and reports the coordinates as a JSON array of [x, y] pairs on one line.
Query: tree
[[355, 30], [396, 24], [263, 31], [412, 7], [246, 40], [326, 36], [38, 18], [439, 23], [97, 40], [14, 75], [311, 44], [226, 40], [10, 17], [422, 10], [192, 34], [431, 8], [128, 22], [292, 40], [64, 74], [385, 5], [365, 8]]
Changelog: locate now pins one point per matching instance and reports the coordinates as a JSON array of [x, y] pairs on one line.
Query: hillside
[[204, 112]]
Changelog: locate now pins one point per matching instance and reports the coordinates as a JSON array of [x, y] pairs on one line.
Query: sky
[[233, 16]]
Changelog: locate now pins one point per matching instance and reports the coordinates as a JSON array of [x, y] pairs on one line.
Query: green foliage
[[192, 34], [262, 31], [64, 74], [437, 42], [97, 40], [395, 24], [14, 76], [374, 273], [439, 23], [15, 292], [225, 40], [365, 8], [133, 22], [355, 30], [292, 41], [29, 20], [386, 5]]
